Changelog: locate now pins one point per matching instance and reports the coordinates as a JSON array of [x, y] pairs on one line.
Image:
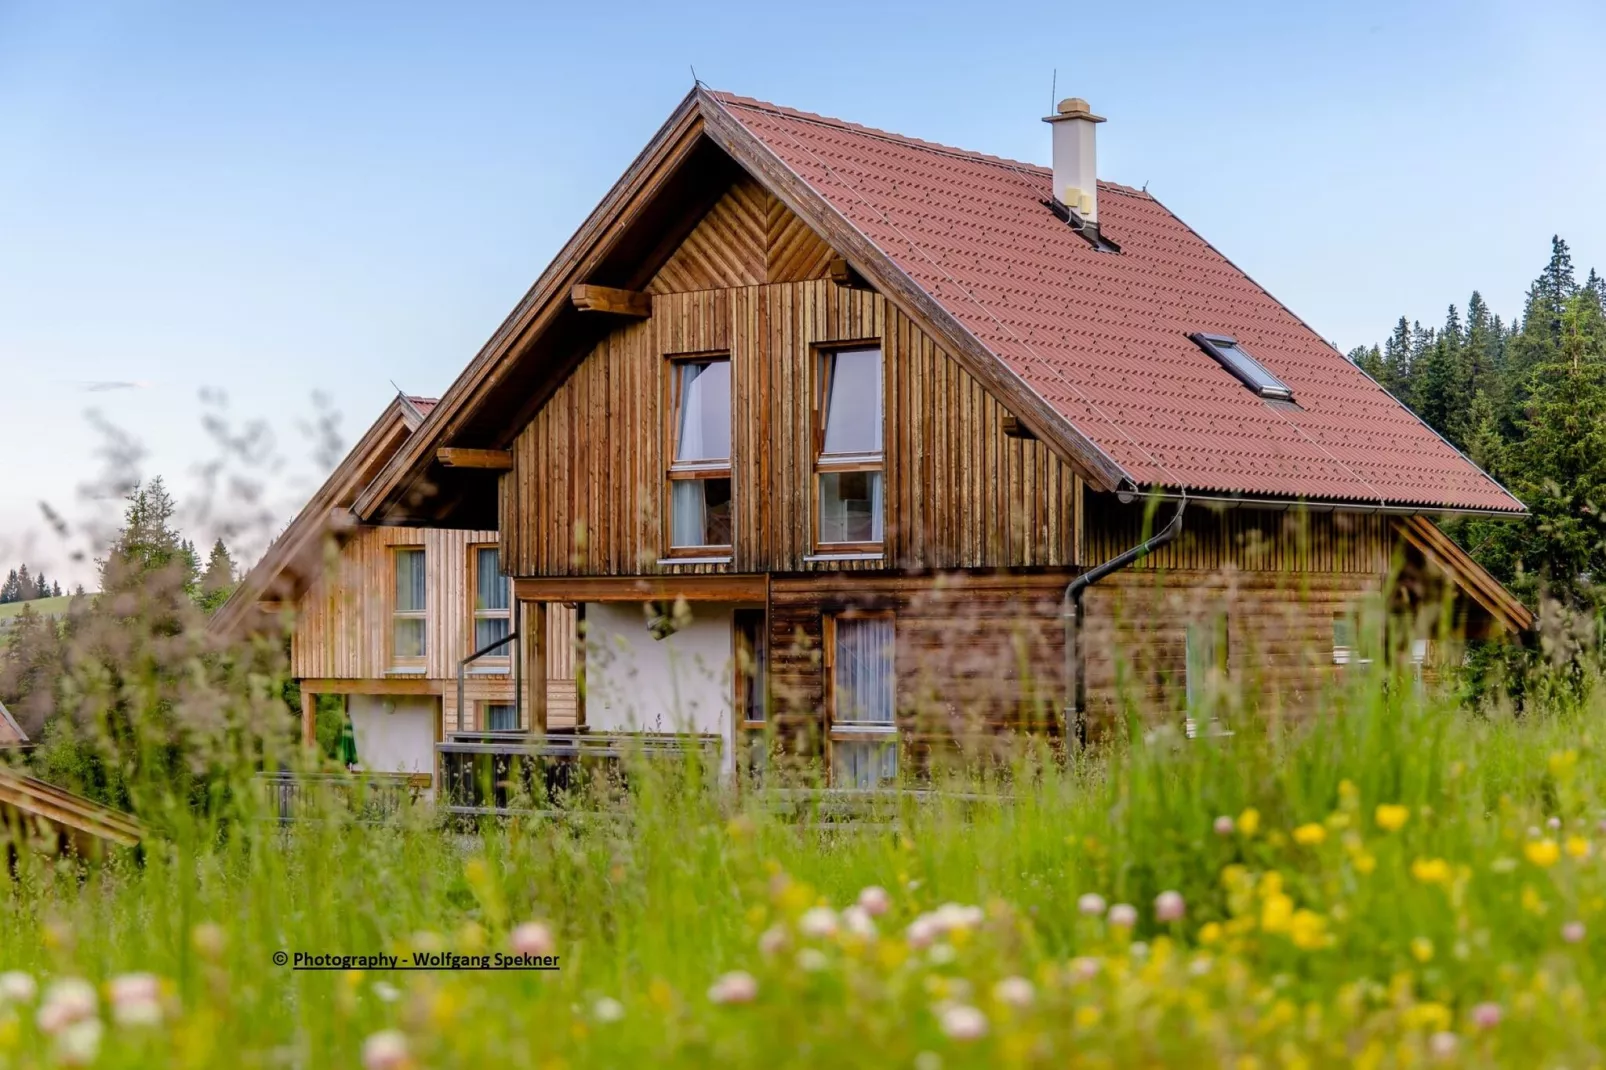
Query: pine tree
[[55, 590], [1396, 377], [1442, 395], [41, 586], [217, 583], [27, 591], [8, 590], [147, 542], [1369, 359]]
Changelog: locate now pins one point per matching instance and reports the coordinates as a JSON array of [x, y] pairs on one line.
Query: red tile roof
[[423, 405], [1104, 338]]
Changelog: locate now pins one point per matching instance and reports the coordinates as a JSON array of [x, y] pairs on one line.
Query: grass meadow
[[1402, 880]]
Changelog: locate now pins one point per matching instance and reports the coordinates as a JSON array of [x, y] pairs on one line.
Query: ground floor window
[[499, 717], [862, 701], [1205, 669]]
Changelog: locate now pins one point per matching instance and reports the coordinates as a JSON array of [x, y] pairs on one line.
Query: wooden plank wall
[[586, 494]]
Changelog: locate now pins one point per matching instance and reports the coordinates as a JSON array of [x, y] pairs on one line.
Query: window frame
[[835, 464], [1217, 345], [1217, 623], [752, 740], [676, 471], [503, 661], [483, 715], [865, 732], [409, 663]]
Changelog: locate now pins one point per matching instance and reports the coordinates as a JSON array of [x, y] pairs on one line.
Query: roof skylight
[[1236, 359]]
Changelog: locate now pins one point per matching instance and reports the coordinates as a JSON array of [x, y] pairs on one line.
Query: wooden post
[[535, 653], [309, 718]]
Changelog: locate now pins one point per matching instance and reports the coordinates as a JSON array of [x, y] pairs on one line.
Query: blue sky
[[273, 200]]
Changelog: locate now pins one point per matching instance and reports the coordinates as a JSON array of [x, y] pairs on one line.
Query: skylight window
[[1236, 359]]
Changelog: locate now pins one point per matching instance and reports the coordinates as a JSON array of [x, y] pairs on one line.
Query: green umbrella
[[348, 744]]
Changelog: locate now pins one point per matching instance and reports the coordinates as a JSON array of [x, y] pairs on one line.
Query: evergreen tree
[[26, 590], [1396, 377], [1442, 395], [41, 586], [55, 590], [217, 583], [1369, 359], [8, 590], [147, 543]]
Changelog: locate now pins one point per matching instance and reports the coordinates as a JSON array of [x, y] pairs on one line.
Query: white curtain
[[876, 510], [409, 581], [705, 412], [863, 765], [687, 524], [866, 688]]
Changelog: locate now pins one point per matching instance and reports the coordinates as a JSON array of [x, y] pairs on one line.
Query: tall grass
[[1317, 928]]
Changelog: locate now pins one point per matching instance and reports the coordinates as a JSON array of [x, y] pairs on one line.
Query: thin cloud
[[102, 386]]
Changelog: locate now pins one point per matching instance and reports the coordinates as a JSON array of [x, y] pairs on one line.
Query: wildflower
[[136, 999], [1443, 1044], [1310, 834], [17, 987], [607, 1009], [1014, 992], [1139, 950], [1573, 932], [1084, 968], [1486, 1015], [1542, 853], [1364, 862], [1308, 930], [857, 920], [79, 1043], [386, 1050], [963, 1023], [1391, 817], [812, 960], [952, 916], [875, 900], [1123, 915], [942, 954], [818, 922], [1276, 913], [209, 938], [922, 931], [1577, 847], [1225, 826], [1562, 762], [1169, 907], [738, 986], [67, 1001], [533, 939], [1422, 949], [1553, 823], [1210, 932], [1091, 904], [1249, 821], [773, 941], [1431, 870]]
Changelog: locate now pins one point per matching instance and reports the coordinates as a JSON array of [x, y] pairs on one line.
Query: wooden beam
[[535, 675], [610, 299], [724, 587], [841, 272], [1013, 428], [309, 717], [392, 685], [491, 460]]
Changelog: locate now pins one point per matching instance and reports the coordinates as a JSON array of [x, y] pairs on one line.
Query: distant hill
[[45, 607]]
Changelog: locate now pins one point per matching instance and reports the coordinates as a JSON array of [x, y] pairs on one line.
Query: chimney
[[1076, 183]]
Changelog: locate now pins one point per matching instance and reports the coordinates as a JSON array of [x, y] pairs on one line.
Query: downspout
[[1071, 616]]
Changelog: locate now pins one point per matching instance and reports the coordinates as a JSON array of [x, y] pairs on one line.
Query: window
[[493, 613], [863, 696], [751, 654], [1206, 675], [407, 630], [499, 717], [700, 474], [1249, 371], [849, 471], [1346, 642]]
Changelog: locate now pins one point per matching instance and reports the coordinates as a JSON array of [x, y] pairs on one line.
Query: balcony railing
[[512, 772], [292, 796]]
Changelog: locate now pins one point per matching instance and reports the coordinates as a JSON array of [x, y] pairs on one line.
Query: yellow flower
[[1532, 901], [1308, 930], [1209, 932], [1249, 821], [1422, 949], [1543, 853], [1364, 863], [1087, 1017], [1310, 835], [1431, 870], [1562, 762], [1391, 817], [1347, 790], [1277, 913], [1577, 847]]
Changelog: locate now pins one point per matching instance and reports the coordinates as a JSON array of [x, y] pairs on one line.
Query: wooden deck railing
[[293, 796], [507, 772]]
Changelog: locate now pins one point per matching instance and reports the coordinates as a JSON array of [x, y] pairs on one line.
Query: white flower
[[1084, 968], [607, 1009], [534, 939], [136, 999], [738, 986], [209, 939], [1553, 823], [941, 954], [17, 987], [1091, 904], [1123, 915], [773, 941], [69, 1000], [79, 1043], [858, 921], [1139, 950], [951, 916], [388, 993], [386, 1050], [137, 1013], [963, 1023], [1573, 932], [818, 922], [1443, 1045], [1169, 907], [1015, 992], [812, 960], [875, 900], [922, 931], [1224, 825]]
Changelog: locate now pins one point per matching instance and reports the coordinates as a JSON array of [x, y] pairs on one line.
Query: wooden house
[[811, 429]]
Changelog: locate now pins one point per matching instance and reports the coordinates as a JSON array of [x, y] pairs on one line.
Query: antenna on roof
[[399, 390], [1053, 89], [697, 83]]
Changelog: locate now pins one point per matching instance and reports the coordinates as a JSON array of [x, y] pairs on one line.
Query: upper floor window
[[862, 701], [849, 465], [700, 471], [493, 612], [408, 607]]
